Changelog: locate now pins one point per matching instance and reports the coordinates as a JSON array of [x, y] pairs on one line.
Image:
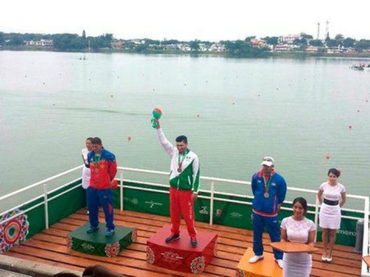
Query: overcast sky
[[187, 20]]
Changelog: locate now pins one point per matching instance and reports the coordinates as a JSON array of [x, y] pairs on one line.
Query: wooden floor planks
[[50, 247]]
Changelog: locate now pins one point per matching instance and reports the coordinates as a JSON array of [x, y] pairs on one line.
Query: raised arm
[[164, 141]]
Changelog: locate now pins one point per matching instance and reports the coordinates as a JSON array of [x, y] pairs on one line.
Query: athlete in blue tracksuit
[[269, 190]]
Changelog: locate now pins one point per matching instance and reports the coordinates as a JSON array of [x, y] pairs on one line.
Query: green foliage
[[142, 48], [362, 44], [248, 39], [301, 42], [244, 49], [152, 41], [1, 38], [271, 40], [306, 36], [339, 37], [333, 43], [16, 41], [99, 42], [194, 45], [316, 42], [349, 42], [171, 41], [69, 42]]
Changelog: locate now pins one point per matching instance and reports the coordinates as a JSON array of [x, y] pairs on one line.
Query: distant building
[[217, 47], [41, 42], [288, 39], [184, 47], [118, 44], [283, 48], [203, 47], [258, 43], [138, 41], [312, 49]]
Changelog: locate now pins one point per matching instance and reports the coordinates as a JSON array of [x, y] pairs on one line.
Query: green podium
[[97, 244]]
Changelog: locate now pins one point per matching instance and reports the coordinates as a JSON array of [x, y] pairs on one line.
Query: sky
[[187, 20]]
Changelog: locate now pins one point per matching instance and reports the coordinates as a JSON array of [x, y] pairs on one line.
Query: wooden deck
[[50, 247]]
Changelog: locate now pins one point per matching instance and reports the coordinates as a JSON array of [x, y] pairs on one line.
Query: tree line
[[62, 42]]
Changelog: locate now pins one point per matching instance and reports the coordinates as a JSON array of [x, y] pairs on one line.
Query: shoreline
[[295, 55]]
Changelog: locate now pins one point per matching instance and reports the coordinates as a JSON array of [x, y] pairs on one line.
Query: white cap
[[268, 161]]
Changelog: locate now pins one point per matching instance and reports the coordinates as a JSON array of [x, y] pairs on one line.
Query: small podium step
[[97, 244], [180, 255], [263, 268]]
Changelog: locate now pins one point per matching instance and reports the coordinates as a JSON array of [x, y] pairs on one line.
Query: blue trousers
[[103, 198], [273, 228]]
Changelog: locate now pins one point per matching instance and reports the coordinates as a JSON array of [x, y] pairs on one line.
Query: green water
[[297, 111]]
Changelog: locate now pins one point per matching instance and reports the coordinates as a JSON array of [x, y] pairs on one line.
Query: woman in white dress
[[86, 169], [298, 229], [332, 196]]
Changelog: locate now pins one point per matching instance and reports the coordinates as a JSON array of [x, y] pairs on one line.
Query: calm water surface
[[309, 115]]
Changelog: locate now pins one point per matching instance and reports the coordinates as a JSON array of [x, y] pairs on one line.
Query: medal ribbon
[[183, 158], [97, 160], [267, 186]]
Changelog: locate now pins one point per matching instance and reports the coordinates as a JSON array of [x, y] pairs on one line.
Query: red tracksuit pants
[[181, 202]]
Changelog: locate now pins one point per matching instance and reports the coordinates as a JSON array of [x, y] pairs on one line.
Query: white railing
[[44, 185], [211, 192], [212, 198]]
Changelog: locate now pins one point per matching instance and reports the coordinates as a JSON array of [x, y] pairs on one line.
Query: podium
[[97, 244], [292, 247], [179, 255], [263, 268]]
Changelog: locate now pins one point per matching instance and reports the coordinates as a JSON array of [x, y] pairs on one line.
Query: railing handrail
[[39, 183], [44, 182], [230, 181], [211, 179]]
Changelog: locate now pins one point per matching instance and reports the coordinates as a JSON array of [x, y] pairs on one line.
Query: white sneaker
[[280, 263], [255, 259]]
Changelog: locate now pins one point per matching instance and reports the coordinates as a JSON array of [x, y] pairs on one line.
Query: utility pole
[[318, 30], [327, 29]]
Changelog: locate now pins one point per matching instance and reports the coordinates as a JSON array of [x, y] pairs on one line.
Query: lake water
[[309, 114]]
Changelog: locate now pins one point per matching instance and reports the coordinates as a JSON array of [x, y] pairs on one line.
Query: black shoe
[[172, 238], [193, 242]]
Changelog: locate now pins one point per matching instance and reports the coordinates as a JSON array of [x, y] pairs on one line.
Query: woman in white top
[[85, 169], [334, 198], [299, 229]]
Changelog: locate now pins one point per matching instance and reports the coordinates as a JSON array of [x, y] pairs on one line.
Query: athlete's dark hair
[[334, 171], [182, 139], [96, 140], [90, 139], [302, 201]]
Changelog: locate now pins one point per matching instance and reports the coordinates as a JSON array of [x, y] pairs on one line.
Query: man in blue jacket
[[269, 190]]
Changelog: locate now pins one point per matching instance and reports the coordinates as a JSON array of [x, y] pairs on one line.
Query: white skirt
[[329, 217], [85, 177], [297, 264]]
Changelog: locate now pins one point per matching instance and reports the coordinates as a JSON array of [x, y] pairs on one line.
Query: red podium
[[180, 255]]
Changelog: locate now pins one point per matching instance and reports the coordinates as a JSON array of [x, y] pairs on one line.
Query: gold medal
[[266, 195], [179, 169]]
